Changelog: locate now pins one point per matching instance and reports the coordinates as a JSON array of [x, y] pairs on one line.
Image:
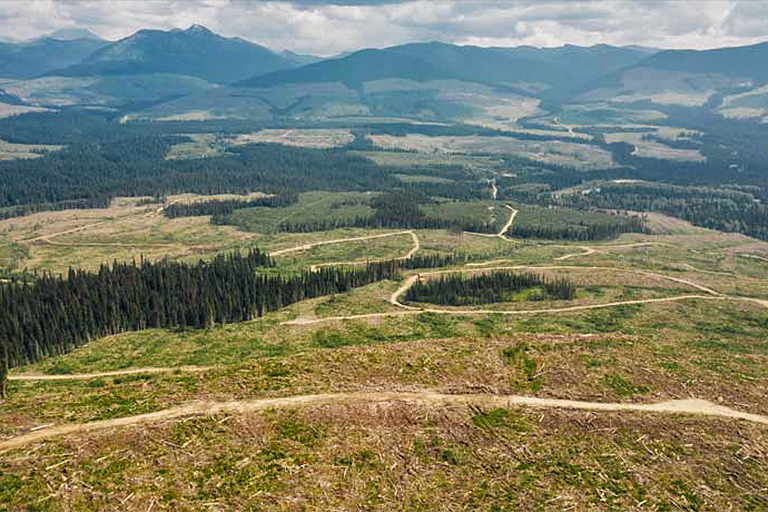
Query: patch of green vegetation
[[500, 419], [739, 325], [490, 325], [136, 377], [690, 498], [115, 402], [288, 426], [440, 326], [331, 338], [275, 369], [611, 319], [12, 255], [517, 357], [420, 178], [15, 488], [539, 222], [623, 387], [363, 458], [59, 367]]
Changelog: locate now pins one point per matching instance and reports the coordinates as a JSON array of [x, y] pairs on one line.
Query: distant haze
[[331, 27]]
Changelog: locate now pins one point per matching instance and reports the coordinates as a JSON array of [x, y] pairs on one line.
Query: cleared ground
[[353, 401], [11, 151], [651, 149], [551, 152]]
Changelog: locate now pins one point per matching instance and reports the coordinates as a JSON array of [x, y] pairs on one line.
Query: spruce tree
[[3, 369]]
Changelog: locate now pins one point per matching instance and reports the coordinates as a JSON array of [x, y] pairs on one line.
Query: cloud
[[329, 27]]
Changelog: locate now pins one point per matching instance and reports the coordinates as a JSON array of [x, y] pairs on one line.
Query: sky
[[331, 27]]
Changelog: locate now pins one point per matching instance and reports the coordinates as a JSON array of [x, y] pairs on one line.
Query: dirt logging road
[[306, 247], [690, 406]]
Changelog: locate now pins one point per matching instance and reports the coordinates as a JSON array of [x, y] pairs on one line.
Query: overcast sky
[[330, 27]]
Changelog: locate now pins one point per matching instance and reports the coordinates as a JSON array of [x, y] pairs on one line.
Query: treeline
[[502, 286], [53, 315], [433, 260], [570, 224], [74, 204], [218, 208], [579, 232]]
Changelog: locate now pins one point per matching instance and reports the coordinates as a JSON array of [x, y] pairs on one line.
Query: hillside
[[584, 63], [195, 51], [740, 62], [684, 77]]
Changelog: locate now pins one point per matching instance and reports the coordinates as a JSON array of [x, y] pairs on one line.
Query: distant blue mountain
[[68, 34], [195, 51], [35, 58]]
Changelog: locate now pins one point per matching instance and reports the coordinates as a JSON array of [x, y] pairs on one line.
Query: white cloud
[[329, 27]]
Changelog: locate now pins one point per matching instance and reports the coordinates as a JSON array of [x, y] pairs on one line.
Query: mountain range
[[175, 72], [548, 68]]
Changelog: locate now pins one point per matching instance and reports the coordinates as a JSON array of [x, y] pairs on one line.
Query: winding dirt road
[[117, 373], [587, 252], [306, 247], [512, 215], [46, 238], [394, 298], [502, 232], [601, 248], [753, 256], [68, 231], [411, 310], [690, 406], [406, 256]]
